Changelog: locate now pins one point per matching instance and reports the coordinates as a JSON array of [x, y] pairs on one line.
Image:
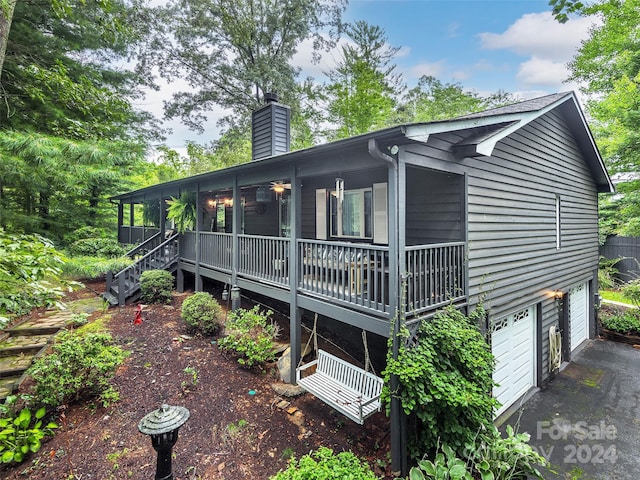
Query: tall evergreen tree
[[61, 73], [364, 86]]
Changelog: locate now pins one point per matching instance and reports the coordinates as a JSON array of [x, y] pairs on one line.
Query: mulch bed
[[231, 434]]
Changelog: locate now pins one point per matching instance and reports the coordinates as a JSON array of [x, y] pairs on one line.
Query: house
[[498, 207]]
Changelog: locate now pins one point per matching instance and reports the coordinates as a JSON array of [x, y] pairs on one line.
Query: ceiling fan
[[280, 186]]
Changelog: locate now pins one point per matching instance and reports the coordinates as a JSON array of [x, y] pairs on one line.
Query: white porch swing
[[352, 391]]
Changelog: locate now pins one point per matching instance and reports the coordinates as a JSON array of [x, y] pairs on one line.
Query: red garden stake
[[138, 319]]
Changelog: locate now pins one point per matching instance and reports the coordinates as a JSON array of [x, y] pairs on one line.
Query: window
[[351, 218], [558, 226]]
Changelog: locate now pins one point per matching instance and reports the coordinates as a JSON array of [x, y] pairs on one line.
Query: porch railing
[[265, 258], [216, 250], [436, 275], [346, 272], [126, 282], [135, 234]]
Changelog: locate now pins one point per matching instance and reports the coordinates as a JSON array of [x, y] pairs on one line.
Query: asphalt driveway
[[587, 420]]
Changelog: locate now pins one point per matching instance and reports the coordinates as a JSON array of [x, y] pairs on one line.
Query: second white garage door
[[513, 345], [579, 315]]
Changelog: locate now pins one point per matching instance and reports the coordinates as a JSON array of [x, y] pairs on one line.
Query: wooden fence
[[626, 248]]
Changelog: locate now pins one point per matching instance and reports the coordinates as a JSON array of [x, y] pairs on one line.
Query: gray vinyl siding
[[513, 260]]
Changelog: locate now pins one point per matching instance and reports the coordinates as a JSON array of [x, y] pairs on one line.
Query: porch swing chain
[[314, 336], [367, 360]]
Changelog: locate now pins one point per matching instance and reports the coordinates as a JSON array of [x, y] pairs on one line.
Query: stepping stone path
[[22, 343]]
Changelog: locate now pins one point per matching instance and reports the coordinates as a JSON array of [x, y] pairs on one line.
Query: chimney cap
[[270, 97]]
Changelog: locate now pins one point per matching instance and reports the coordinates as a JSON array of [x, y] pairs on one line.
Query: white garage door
[[579, 315], [513, 345]]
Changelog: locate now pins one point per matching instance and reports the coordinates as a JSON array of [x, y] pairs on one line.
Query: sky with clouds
[[485, 45]]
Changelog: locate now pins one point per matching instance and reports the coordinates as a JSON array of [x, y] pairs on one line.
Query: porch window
[[351, 218]]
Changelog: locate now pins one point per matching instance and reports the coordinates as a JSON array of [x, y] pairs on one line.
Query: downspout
[[398, 418]]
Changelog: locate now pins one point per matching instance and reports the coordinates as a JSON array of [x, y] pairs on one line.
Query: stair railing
[[128, 279]]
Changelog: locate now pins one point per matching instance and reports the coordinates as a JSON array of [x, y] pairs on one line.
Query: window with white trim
[[351, 217]]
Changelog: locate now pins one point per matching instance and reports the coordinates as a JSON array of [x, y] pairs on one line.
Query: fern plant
[[183, 211]]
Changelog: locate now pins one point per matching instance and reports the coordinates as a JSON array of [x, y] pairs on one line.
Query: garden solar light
[[162, 426]]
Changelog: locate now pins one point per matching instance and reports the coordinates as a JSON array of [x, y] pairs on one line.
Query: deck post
[[132, 220], [198, 285], [235, 245], [120, 221], [295, 334], [397, 193], [180, 280]]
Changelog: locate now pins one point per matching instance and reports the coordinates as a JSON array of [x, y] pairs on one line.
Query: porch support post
[[180, 280], [131, 220], [396, 300], [163, 215], [198, 285], [236, 227], [295, 315], [120, 221]]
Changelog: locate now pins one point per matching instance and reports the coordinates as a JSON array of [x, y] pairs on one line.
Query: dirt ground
[[231, 433]]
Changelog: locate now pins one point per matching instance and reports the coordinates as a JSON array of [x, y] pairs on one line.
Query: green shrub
[[84, 267], [82, 233], [22, 434], [446, 381], [156, 286], [201, 312], [607, 272], [98, 247], [626, 322], [323, 464], [79, 367], [250, 334], [631, 290]]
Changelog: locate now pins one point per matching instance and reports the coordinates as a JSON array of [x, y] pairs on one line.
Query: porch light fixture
[[162, 426], [228, 202], [235, 297], [211, 203], [263, 194], [557, 294]]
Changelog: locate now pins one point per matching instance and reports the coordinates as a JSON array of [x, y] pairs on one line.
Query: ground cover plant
[[324, 464], [22, 433], [620, 320]]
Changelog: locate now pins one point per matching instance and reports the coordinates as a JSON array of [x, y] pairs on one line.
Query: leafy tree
[[60, 74], [432, 100], [232, 52], [363, 89], [608, 65]]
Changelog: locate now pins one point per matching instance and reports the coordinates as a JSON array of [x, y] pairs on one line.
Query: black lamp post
[[162, 426]]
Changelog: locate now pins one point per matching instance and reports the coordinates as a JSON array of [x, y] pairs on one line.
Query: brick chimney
[[270, 128]]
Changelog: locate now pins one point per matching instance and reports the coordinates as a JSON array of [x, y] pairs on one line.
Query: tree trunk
[[6, 14]]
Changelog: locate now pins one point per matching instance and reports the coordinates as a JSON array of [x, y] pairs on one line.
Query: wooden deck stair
[[152, 254]]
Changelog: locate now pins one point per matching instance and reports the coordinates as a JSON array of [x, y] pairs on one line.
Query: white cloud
[[435, 69], [539, 34], [542, 71]]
